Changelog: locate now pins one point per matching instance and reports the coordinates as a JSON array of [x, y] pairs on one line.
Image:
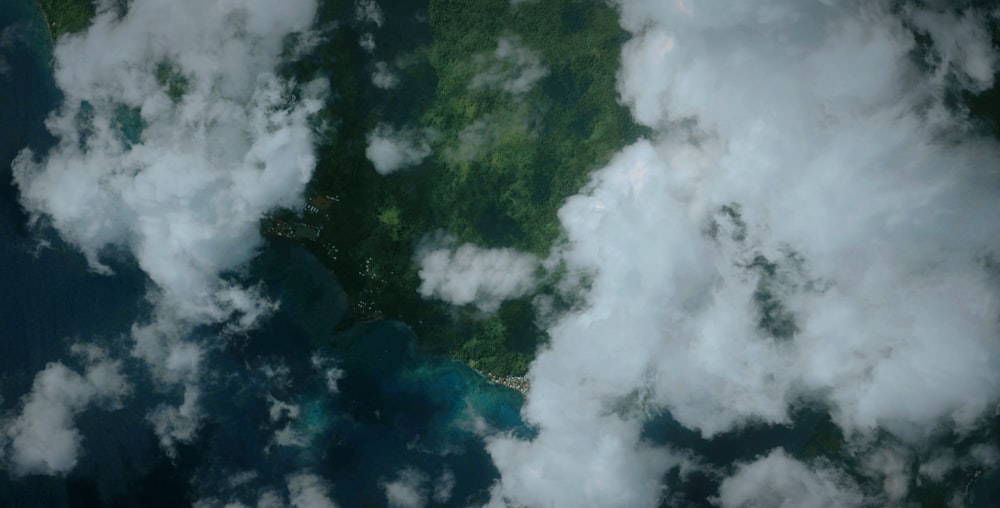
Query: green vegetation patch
[[67, 16], [522, 105], [174, 82], [522, 154]]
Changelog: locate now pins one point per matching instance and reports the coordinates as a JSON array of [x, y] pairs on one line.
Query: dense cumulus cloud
[[783, 482], [811, 221], [390, 149], [383, 77], [174, 138], [306, 490], [42, 437], [469, 274]]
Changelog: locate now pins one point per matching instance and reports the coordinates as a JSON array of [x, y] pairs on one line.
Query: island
[[514, 106], [541, 145]]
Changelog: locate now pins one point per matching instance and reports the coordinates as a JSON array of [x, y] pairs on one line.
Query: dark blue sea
[[394, 409]]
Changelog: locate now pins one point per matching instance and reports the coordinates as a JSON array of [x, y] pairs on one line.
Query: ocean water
[[48, 294], [392, 408]]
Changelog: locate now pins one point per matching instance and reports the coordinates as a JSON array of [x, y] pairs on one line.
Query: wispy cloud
[[411, 488], [513, 67], [407, 490], [304, 490]]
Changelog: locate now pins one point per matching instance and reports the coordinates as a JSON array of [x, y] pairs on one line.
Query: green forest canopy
[[533, 149]]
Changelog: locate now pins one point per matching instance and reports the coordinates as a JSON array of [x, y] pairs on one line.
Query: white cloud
[[585, 456], [844, 143], [780, 481], [443, 487], [288, 414], [288, 436], [279, 410], [944, 462], [278, 374], [9, 37], [43, 437], [184, 187], [367, 42], [408, 490], [241, 478], [390, 150], [368, 11], [893, 466], [807, 223], [985, 455], [180, 424], [285, 413], [469, 274], [962, 43], [383, 77], [327, 368], [306, 490], [938, 466], [513, 68], [270, 499], [473, 140], [488, 132]]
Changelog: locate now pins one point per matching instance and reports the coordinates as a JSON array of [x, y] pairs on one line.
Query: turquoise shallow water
[[394, 408]]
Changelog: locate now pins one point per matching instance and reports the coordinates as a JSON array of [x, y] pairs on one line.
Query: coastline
[[516, 383], [48, 23], [66, 16], [519, 384]]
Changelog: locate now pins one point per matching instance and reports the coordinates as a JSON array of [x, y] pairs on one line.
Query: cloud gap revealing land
[[504, 253]]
